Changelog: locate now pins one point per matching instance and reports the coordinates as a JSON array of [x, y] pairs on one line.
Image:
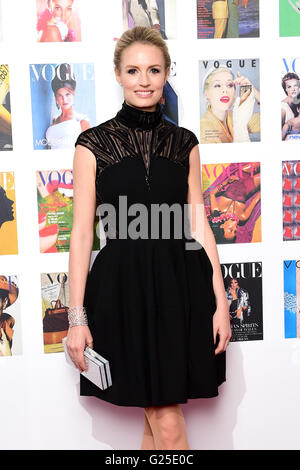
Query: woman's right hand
[[77, 339]]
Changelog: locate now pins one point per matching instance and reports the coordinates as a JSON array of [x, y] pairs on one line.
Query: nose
[[144, 80], [63, 15]]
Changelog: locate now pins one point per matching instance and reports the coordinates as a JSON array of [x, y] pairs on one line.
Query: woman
[[228, 208], [66, 127], [145, 13], [53, 22], [220, 17], [238, 298], [157, 311], [8, 295], [291, 86], [219, 123], [6, 207], [291, 129]]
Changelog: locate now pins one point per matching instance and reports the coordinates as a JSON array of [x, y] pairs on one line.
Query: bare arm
[[285, 130], [84, 208], [202, 232], [283, 114], [248, 211], [85, 124], [51, 34]]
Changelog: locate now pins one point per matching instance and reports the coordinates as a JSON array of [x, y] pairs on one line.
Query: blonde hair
[[143, 35], [210, 76]]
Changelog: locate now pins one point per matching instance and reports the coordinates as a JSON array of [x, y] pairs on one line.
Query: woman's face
[[64, 98], [234, 284], [221, 91], [6, 209], [229, 227], [292, 87], [142, 74], [62, 9]]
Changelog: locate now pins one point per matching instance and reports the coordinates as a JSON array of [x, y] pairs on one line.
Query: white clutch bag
[[98, 370]]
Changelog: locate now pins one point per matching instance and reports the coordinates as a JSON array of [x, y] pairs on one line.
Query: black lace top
[[133, 133]]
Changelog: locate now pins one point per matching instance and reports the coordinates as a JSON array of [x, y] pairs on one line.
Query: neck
[[137, 118], [148, 109]]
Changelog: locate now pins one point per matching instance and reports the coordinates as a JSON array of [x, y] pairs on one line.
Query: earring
[[57, 105]]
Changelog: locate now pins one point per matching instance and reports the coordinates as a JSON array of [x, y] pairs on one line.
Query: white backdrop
[[258, 406]]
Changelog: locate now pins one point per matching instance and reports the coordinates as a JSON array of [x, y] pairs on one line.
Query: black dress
[[149, 301]]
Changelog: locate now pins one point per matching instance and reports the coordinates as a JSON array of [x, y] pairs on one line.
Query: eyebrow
[[136, 66], [228, 80]]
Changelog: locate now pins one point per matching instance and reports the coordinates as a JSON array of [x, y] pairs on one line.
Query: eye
[[154, 70], [131, 71]]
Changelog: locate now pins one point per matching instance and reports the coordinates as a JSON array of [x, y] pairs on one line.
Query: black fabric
[[149, 302]]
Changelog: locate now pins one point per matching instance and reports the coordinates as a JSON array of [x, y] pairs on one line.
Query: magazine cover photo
[[243, 287], [232, 201], [8, 215], [218, 19], [10, 323], [58, 20], [290, 99], [229, 101], [291, 274], [291, 199], [55, 303], [62, 102], [156, 14], [5, 110], [289, 18]]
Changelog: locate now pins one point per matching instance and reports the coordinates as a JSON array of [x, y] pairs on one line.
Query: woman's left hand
[[221, 326]]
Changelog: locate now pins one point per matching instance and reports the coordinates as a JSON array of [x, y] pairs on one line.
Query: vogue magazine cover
[[156, 14], [63, 103], [218, 19], [55, 211], [291, 298], [231, 193], [55, 303], [10, 324], [58, 20], [229, 101], [8, 215], [5, 111], [290, 99], [289, 17], [243, 287], [291, 199]]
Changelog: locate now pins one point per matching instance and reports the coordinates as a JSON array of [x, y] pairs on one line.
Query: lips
[[224, 99], [144, 94]]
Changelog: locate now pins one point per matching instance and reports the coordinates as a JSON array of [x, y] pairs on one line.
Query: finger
[[245, 96], [221, 345], [76, 355], [80, 362]]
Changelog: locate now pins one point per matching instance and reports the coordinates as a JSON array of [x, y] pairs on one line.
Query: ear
[[117, 74]]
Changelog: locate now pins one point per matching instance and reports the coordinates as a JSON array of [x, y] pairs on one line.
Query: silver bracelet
[[77, 316]]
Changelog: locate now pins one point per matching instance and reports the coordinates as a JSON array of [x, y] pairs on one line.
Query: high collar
[[137, 119]]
